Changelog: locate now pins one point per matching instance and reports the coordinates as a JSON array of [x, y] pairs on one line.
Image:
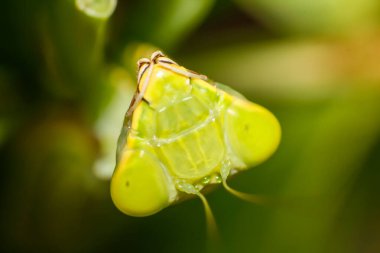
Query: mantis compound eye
[[139, 186], [253, 132]]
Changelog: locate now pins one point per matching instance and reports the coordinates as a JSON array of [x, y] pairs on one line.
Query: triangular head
[[183, 132]]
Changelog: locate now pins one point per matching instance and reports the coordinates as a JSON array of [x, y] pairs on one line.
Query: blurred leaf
[[293, 69], [308, 17], [50, 189], [98, 9], [10, 105], [163, 23], [72, 49], [65, 84], [328, 162], [109, 123]]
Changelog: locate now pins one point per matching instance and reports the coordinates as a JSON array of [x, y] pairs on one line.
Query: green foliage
[[66, 80]]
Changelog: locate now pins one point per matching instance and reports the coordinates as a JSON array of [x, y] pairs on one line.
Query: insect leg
[[182, 72]]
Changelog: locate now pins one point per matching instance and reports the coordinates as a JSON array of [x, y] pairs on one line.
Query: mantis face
[[183, 132]]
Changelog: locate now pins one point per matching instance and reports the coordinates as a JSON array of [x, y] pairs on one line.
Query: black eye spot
[[127, 183]]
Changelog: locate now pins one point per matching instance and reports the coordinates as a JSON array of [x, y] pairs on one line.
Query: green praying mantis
[[182, 133]]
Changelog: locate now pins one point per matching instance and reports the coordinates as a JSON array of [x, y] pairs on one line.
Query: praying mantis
[[183, 133]]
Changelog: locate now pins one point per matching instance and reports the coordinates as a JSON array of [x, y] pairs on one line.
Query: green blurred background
[[67, 73]]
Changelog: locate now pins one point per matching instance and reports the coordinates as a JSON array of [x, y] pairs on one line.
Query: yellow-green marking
[[182, 133]]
